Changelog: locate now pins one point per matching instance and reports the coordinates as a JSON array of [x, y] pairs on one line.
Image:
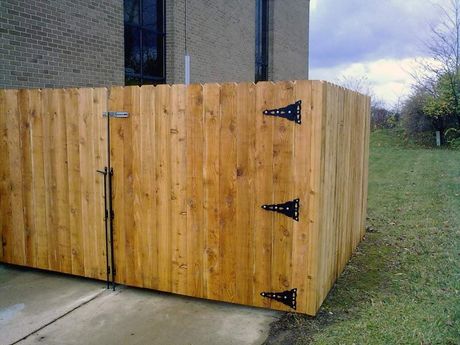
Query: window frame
[[146, 79]]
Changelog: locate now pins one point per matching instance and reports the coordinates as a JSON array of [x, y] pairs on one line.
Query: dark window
[[261, 40], [144, 42]]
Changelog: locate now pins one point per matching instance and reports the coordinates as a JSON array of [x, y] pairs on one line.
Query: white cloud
[[390, 79], [313, 5]]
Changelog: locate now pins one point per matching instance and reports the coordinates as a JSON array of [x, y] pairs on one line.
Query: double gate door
[[167, 197]]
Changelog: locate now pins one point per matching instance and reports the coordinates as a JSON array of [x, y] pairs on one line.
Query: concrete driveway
[[39, 307]]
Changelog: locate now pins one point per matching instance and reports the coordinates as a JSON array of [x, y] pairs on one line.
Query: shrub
[[452, 136]]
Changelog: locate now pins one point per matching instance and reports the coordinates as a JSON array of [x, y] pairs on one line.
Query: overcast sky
[[376, 39]]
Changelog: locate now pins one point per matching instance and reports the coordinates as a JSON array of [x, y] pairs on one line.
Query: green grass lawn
[[402, 286]]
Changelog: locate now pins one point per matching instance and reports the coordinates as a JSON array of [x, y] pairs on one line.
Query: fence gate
[[193, 167], [51, 196]]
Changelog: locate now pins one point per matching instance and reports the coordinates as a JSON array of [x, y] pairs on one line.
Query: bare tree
[[361, 85], [380, 115], [439, 75]]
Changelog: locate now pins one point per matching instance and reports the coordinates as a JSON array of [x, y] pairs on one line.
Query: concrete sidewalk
[[47, 308]]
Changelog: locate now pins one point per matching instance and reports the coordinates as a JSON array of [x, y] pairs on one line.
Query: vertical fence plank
[[211, 173], [132, 163], [227, 188], [99, 138], [60, 163], [330, 173], [5, 203], [130, 101], [47, 105], [325, 171], [163, 184], [15, 178], [35, 116], [348, 242], [86, 179], [195, 214], [243, 241], [366, 114], [178, 185], [340, 182], [315, 200], [302, 176], [117, 134], [73, 158], [26, 164], [361, 121], [263, 220], [345, 233], [283, 189], [148, 239]]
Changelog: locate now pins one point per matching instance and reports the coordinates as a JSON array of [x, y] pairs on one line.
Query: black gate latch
[[289, 208], [292, 112], [288, 297]]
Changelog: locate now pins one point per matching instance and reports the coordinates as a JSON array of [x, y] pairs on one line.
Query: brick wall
[[220, 40], [289, 40], [60, 43]]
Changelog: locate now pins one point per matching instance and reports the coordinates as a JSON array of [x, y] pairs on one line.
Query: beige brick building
[[62, 43]]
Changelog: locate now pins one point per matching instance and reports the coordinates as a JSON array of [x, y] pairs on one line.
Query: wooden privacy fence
[[203, 191]]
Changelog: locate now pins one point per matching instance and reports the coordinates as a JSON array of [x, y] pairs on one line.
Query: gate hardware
[[288, 297], [289, 208], [112, 215], [119, 114], [106, 212], [292, 112]]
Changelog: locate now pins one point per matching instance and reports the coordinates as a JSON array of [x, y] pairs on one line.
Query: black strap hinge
[[292, 112], [289, 208], [288, 297]]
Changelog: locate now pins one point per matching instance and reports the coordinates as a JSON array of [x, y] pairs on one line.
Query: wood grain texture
[[192, 167], [178, 189], [245, 206], [263, 186], [211, 173], [46, 164], [227, 192], [195, 199], [284, 189]]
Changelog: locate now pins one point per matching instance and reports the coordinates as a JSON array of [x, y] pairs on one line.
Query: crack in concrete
[[84, 302]]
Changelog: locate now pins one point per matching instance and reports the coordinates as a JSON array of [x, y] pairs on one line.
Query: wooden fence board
[[26, 164], [283, 190], [74, 171], [179, 189], [163, 184], [194, 190], [302, 175], [245, 167], [263, 187], [145, 185], [211, 173], [227, 191]]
